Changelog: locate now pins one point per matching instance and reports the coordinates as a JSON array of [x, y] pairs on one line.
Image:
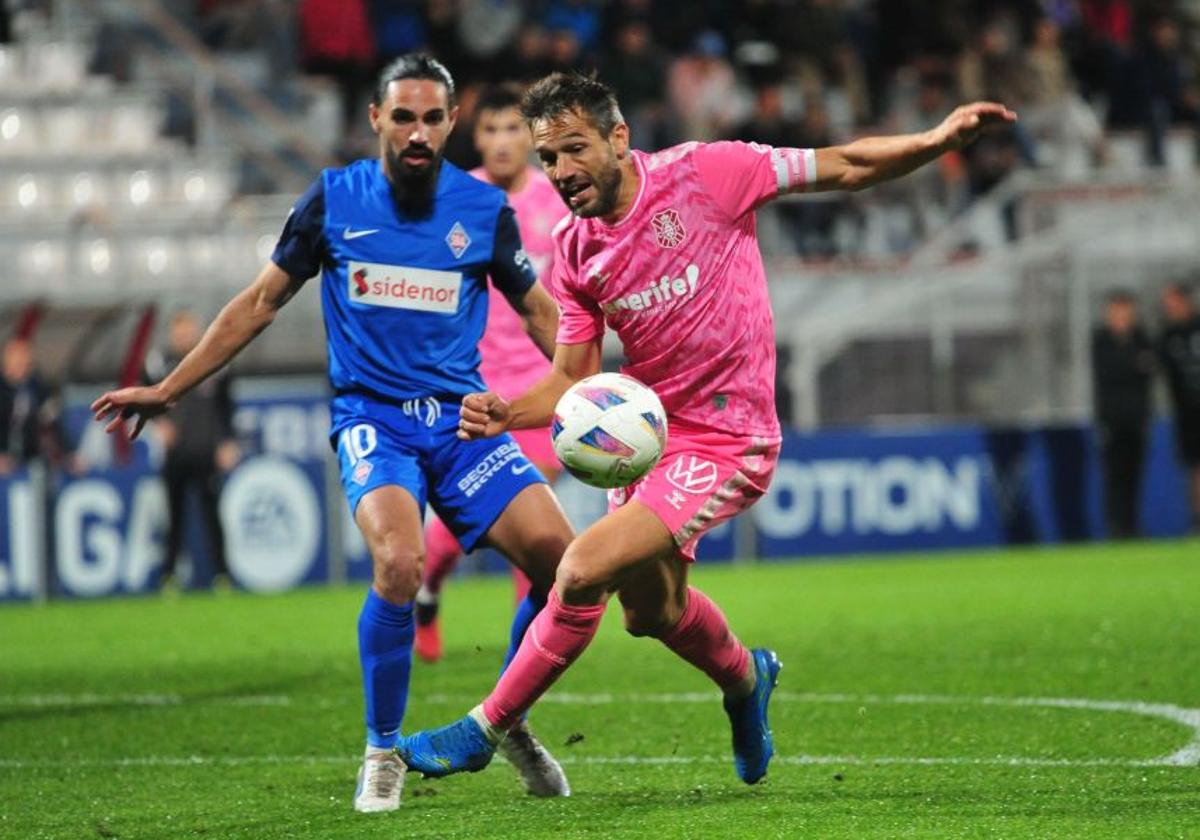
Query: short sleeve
[[301, 247], [511, 271], [742, 176], [579, 318]]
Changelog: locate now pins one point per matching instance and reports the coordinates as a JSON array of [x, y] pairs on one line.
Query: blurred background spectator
[[1123, 363], [199, 449], [28, 416], [337, 40], [1179, 354], [785, 71], [712, 69]]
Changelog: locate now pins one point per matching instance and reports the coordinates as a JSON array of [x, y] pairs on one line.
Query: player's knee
[[654, 620], [645, 622], [397, 572], [579, 581]]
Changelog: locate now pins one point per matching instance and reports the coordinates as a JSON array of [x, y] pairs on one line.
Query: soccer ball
[[609, 430]]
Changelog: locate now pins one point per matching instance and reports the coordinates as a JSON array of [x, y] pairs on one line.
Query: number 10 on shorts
[[357, 442]]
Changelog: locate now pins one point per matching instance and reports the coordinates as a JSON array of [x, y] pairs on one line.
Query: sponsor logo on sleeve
[[521, 259]]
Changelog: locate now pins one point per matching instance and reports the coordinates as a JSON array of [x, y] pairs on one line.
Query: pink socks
[[560, 633], [703, 638], [554, 640]]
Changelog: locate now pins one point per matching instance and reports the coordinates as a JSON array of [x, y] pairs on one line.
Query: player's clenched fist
[[482, 416], [966, 122]]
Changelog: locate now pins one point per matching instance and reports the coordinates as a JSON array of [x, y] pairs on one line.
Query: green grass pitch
[[900, 710]]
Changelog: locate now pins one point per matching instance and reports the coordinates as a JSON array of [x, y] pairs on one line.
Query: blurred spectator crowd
[[784, 72]]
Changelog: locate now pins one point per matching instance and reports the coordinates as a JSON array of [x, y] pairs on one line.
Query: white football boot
[[540, 773], [380, 780]]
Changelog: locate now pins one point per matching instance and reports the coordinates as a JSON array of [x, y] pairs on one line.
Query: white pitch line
[[1186, 756], [587, 761], [50, 701]]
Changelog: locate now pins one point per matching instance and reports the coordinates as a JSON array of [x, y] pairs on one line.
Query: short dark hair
[[414, 66], [499, 97], [1121, 296], [1183, 290], [561, 93]]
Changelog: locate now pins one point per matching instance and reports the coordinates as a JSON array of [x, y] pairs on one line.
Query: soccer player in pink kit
[[663, 250], [511, 362]]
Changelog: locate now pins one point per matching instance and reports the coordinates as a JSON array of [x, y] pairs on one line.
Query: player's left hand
[[141, 403], [483, 416], [967, 122]]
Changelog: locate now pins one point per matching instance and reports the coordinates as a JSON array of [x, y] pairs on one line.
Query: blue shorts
[[413, 444]]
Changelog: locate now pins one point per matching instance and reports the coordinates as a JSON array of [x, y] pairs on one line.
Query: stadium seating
[[99, 205]]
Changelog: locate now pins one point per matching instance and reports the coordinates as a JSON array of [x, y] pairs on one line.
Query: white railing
[[1043, 290]]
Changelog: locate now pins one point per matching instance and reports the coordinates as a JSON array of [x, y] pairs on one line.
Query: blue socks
[[526, 612], [385, 640]]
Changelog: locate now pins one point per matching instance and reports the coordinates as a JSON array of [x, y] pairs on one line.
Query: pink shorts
[[704, 478], [536, 445]]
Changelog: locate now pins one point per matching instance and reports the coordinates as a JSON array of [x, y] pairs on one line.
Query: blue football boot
[[753, 745], [457, 748]]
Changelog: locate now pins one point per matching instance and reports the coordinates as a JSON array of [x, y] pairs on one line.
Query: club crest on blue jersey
[[458, 240]]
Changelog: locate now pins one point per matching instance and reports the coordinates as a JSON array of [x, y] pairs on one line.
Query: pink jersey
[[681, 281], [511, 361]]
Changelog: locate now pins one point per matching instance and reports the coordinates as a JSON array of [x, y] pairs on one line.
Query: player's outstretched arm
[[487, 415], [244, 317], [539, 315], [873, 160]]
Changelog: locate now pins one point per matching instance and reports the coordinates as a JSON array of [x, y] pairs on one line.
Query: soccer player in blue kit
[[405, 244]]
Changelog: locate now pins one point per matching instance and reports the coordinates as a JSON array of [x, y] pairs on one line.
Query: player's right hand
[[142, 403], [483, 416], [967, 122]]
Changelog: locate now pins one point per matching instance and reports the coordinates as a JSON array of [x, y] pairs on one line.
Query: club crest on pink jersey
[[668, 229]]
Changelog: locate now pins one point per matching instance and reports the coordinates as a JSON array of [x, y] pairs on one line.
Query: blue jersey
[[404, 300]]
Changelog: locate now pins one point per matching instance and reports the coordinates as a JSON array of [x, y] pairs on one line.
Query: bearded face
[[412, 122]]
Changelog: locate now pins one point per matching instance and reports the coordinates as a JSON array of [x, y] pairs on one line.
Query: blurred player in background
[[199, 448], [1179, 354], [405, 244], [662, 248], [511, 362]]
